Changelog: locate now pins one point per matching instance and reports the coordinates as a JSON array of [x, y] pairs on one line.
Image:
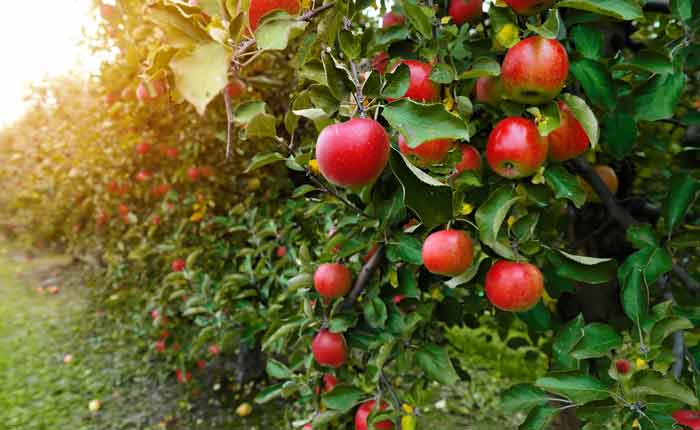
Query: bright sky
[[39, 38]]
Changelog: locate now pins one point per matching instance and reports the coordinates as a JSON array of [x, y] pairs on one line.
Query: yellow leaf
[[538, 178], [635, 424], [466, 209], [394, 279], [407, 408], [408, 422], [313, 166], [197, 216], [511, 221], [508, 35], [449, 102], [640, 364], [445, 20]]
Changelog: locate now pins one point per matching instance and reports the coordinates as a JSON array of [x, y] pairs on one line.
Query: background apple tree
[[531, 165]]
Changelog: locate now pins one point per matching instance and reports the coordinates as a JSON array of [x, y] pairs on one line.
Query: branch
[[359, 98], [620, 214], [312, 13], [394, 397], [229, 123], [363, 278], [334, 193]]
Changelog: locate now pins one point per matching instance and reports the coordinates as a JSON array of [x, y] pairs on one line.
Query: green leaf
[[522, 398], [337, 80], [436, 364], [620, 132], [270, 393], [620, 9], [658, 97], [641, 236], [405, 248], [596, 82], [583, 115], [588, 40], [691, 118], [419, 123], [262, 125], [442, 73], [386, 36], [471, 271], [538, 319], [490, 216], [375, 312], [261, 160], [432, 204], [550, 117], [482, 66], [397, 82], [664, 328], [278, 370], [550, 28], [565, 341], [245, 112], [565, 185], [343, 398], [634, 297], [583, 269], [408, 286], [350, 44], [686, 240], [372, 85], [201, 73], [420, 18], [277, 30], [683, 9], [342, 322], [682, 191], [652, 383], [598, 339], [647, 61], [640, 270], [539, 418], [578, 388], [524, 228]]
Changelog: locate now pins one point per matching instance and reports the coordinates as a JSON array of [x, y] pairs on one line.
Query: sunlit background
[[38, 39]]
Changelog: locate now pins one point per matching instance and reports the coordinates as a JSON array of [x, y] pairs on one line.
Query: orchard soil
[[110, 363]]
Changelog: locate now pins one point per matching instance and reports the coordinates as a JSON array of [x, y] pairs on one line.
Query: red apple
[[149, 91], [160, 345], [391, 19], [260, 8], [448, 252], [171, 152], [328, 382], [514, 286], [108, 12], [235, 89], [159, 191], [143, 148], [607, 174], [332, 280], [569, 140], [363, 413], [206, 171], [201, 364], [280, 251], [515, 148], [179, 265], [471, 159], [623, 366], [102, 218], [329, 349], [488, 90], [156, 220], [352, 154], [380, 61], [154, 314], [183, 378], [111, 98], [193, 174], [420, 87], [687, 418], [123, 209], [463, 11], [534, 70], [144, 175], [214, 350], [308, 426], [432, 151], [529, 7]]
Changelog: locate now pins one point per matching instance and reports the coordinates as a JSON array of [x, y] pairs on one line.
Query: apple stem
[[363, 278], [620, 214]]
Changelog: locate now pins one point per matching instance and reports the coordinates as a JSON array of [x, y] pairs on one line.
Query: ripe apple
[[515, 148], [488, 90], [623, 366], [308, 426], [448, 252], [463, 11], [160, 345], [534, 70], [569, 140], [67, 359], [391, 19], [201, 364], [183, 378], [328, 382], [432, 151], [514, 286], [108, 12], [280, 251], [607, 174], [260, 8], [102, 218], [149, 91], [159, 191], [171, 152], [143, 176], [471, 159], [143, 148], [380, 61], [529, 7], [206, 171], [332, 280], [352, 154], [179, 264], [329, 349], [123, 209], [193, 174], [420, 87], [235, 89], [687, 418], [214, 350], [363, 413]]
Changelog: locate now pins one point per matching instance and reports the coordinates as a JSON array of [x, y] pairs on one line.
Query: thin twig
[[229, 123], [620, 214], [312, 13], [363, 278], [394, 397], [359, 98], [337, 195]]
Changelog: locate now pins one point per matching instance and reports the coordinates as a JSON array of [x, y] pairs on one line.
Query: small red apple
[[235, 89], [515, 148], [154, 314], [432, 151], [214, 350], [420, 87], [206, 171], [156, 220], [687, 418], [160, 345], [201, 364], [159, 191], [623, 366], [280, 251], [111, 98], [448, 252], [123, 209], [471, 159], [352, 154], [183, 378], [488, 90], [363, 413], [143, 148], [193, 174], [398, 298], [171, 152], [534, 70], [391, 19], [329, 349], [529, 7], [328, 382], [569, 140], [143, 176], [179, 265], [332, 280], [102, 218], [463, 11], [514, 286], [308, 426], [260, 8]]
